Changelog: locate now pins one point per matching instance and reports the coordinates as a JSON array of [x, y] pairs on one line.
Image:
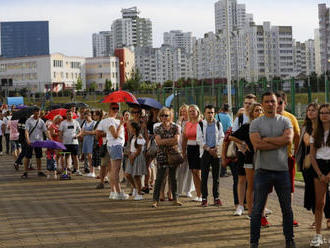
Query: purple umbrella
[[21, 106], [51, 144]]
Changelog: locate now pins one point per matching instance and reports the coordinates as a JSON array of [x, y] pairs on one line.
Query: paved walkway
[[40, 213]]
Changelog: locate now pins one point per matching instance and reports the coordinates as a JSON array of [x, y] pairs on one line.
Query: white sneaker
[[239, 211], [113, 195], [1, 153], [134, 192], [122, 196], [106, 179], [138, 197], [78, 173], [268, 211], [189, 195], [48, 177], [196, 199], [91, 175], [317, 241]]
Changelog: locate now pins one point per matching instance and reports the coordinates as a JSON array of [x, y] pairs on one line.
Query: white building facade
[[324, 36], [100, 69], [102, 44], [179, 39], [43, 73]]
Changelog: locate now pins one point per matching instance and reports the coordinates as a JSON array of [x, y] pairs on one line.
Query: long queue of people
[[263, 146]]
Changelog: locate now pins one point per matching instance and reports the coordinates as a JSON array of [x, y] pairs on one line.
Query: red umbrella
[[120, 96], [61, 112]]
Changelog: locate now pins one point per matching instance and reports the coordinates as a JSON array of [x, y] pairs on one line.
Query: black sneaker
[[290, 244], [41, 174], [25, 175], [87, 170], [16, 166]]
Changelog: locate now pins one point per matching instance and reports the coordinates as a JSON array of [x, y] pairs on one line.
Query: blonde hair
[[164, 109], [199, 116], [184, 106], [57, 117], [252, 108]]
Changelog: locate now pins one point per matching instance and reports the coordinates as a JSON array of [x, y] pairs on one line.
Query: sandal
[[177, 203], [154, 205], [24, 176], [16, 166]]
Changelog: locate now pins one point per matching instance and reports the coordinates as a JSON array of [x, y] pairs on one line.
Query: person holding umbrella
[[35, 127]]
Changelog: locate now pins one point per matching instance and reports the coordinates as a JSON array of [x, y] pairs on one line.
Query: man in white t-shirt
[[69, 131], [35, 128]]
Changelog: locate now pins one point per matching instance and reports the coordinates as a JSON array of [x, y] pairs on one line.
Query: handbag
[[174, 157], [231, 150], [152, 148]]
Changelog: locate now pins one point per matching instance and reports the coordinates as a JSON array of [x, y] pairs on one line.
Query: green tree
[[79, 84], [168, 83], [92, 87], [108, 85]]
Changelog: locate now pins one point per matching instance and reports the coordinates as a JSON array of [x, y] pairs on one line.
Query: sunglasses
[[115, 108], [324, 113], [164, 115], [280, 102], [135, 112]]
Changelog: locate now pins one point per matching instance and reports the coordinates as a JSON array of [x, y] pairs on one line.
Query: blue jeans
[[264, 180]]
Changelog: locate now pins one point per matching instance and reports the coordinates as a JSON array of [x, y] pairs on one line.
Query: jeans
[[7, 142], [264, 180], [22, 154], [234, 171], [207, 161], [161, 172]]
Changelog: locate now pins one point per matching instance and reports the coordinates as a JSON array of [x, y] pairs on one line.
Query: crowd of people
[[262, 147]]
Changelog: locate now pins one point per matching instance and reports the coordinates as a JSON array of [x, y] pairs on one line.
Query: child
[[51, 163], [136, 166]]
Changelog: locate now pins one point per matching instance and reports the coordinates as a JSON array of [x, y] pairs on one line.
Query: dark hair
[[68, 111], [210, 106], [99, 113], [282, 95], [225, 107], [308, 122], [250, 96], [268, 93], [124, 112], [137, 129], [36, 109], [318, 134]]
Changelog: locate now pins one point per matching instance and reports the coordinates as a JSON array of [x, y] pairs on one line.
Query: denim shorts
[[51, 164], [15, 145], [248, 166], [115, 152]]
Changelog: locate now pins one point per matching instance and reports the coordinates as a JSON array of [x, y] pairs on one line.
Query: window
[[58, 63]]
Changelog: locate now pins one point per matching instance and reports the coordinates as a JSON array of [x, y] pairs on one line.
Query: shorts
[[194, 160], [240, 164], [105, 159], [51, 164], [73, 149], [324, 166], [29, 152], [292, 171], [115, 152], [15, 145], [248, 166]]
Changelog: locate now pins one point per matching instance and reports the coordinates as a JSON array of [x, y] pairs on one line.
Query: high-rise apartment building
[[179, 39], [299, 58], [102, 44], [20, 39], [317, 52], [310, 56], [131, 30], [163, 64], [237, 17], [324, 36]]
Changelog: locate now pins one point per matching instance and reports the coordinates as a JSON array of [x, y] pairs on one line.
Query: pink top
[[13, 132], [191, 130], [56, 131]]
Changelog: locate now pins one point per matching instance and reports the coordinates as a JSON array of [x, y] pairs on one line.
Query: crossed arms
[[271, 143]]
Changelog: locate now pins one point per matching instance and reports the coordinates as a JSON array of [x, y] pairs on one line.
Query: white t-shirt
[[6, 119], [140, 141], [324, 151], [105, 127], [69, 129], [101, 127]]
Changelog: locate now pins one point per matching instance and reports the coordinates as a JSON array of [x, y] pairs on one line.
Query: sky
[[72, 22]]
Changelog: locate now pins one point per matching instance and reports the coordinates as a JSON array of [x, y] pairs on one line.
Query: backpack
[[202, 126]]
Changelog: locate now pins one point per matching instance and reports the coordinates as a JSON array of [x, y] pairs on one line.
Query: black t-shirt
[[150, 127], [21, 130], [243, 134]]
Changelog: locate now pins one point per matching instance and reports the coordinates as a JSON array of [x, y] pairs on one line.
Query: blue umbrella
[[169, 100], [147, 102], [51, 144]]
